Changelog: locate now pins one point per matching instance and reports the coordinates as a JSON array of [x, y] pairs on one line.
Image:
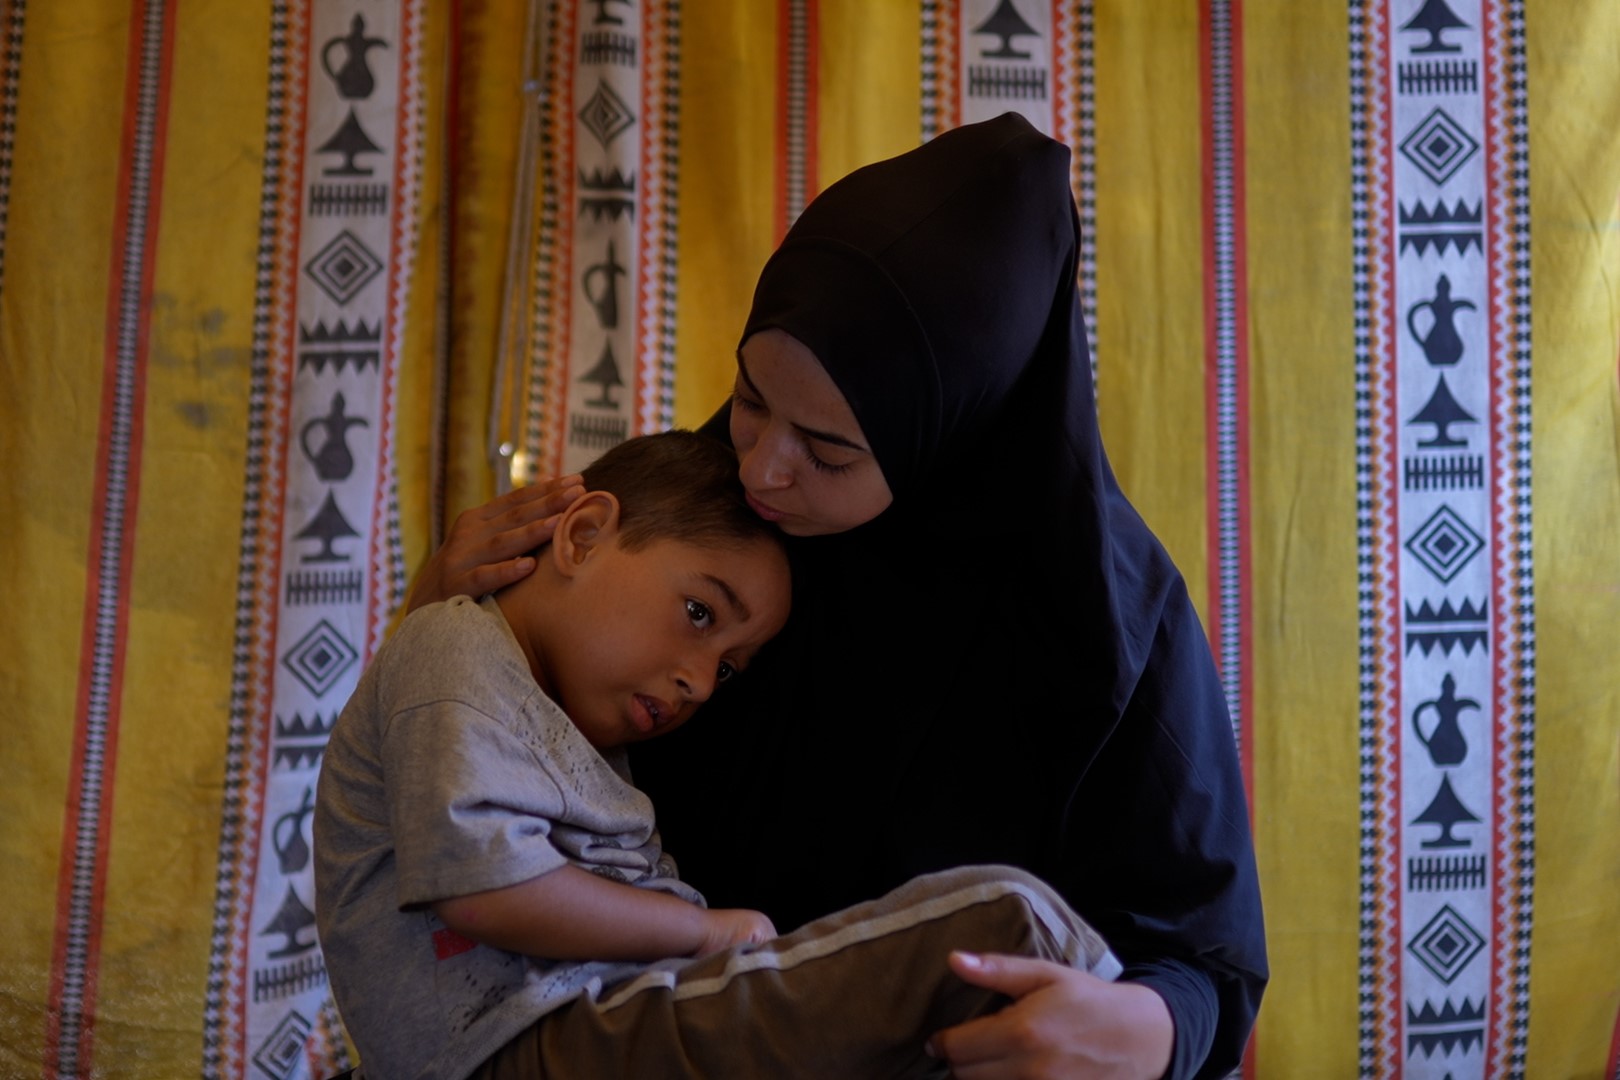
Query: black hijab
[[1004, 665]]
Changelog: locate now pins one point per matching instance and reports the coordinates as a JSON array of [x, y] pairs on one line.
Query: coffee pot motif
[[1442, 345], [287, 835], [332, 459], [1444, 741], [353, 77], [601, 285]]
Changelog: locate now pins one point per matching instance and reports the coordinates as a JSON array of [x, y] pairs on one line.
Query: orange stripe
[[379, 600], [562, 282], [812, 91], [1239, 360], [1614, 1052], [76, 812], [784, 33]]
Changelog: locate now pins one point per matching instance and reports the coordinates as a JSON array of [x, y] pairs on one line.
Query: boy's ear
[[588, 525]]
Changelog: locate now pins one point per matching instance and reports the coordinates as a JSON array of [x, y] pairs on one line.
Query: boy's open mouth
[[650, 713]]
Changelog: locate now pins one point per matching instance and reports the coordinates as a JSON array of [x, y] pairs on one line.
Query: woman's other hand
[[726, 927], [489, 545], [1062, 1023]]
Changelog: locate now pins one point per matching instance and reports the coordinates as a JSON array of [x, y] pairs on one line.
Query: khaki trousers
[[855, 994]]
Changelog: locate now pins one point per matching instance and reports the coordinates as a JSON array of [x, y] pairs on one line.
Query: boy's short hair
[[678, 485]]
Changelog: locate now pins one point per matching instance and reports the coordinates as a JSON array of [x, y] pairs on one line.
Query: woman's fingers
[[1062, 1022], [489, 546], [521, 501], [1015, 976]]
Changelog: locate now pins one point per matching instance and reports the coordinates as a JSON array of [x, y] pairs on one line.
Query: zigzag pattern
[[1514, 690], [1379, 1051], [11, 39]]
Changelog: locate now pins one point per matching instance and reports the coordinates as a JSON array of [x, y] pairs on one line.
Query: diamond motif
[[1445, 544], [1439, 146], [320, 658], [605, 115], [282, 1051], [343, 267], [1446, 944]]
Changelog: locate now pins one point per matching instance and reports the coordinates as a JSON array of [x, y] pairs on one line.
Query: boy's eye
[[726, 671], [699, 613]]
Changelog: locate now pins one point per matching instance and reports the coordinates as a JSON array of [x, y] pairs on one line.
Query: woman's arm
[[489, 546], [572, 914]]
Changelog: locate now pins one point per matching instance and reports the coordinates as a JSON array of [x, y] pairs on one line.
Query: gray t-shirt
[[450, 772]]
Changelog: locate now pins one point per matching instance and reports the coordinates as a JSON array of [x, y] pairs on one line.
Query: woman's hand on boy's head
[[489, 546], [725, 927]]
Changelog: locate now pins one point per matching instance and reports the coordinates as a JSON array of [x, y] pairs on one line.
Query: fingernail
[[930, 1049], [970, 960]]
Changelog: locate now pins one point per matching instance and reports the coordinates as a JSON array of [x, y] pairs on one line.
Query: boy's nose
[[696, 682]]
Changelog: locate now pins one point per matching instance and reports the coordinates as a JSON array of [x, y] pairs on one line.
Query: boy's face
[[655, 631]]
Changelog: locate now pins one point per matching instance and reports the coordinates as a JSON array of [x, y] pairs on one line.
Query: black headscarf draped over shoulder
[[1004, 666]]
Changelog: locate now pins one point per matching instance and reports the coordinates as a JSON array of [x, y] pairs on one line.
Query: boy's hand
[[489, 545], [734, 926]]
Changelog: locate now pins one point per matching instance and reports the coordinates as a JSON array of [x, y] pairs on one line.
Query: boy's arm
[[572, 914]]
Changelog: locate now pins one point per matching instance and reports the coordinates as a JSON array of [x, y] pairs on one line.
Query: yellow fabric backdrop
[[65, 90]]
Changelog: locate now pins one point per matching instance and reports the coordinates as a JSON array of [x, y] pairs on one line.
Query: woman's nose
[[763, 467]]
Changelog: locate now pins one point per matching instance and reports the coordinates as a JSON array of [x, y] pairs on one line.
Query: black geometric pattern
[[281, 1054], [1446, 944], [343, 267], [606, 115], [320, 658], [1445, 544], [1439, 146]]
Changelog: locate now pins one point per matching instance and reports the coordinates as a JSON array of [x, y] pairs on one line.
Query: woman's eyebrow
[[808, 432]]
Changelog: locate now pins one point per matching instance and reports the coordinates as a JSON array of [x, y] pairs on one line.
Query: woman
[[991, 658]]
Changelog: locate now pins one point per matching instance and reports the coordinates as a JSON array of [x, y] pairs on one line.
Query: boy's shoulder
[[459, 641]]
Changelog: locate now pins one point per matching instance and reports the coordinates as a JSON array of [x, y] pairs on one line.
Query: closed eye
[[823, 466]]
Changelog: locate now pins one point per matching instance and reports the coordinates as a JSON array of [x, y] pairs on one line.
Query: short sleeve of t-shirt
[[470, 806]]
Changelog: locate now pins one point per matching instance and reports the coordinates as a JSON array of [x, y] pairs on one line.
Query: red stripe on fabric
[[812, 89], [1501, 453], [560, 370], [74, 809], [1212, 446], [401, 222], [1613, 1072], [1388, 538], [784, 90], [1061, 121], [278, 398], [646, 238], [1240, 376]]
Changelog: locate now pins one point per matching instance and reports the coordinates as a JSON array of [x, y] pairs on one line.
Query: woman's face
[[804, 460]]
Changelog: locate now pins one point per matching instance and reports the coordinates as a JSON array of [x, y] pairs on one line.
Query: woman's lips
[[769, 513]]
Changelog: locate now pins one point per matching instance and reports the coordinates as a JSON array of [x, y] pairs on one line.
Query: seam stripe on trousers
[[884, 925], [81, 885]]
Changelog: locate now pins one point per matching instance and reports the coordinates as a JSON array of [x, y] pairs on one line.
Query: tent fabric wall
[[217, 220]]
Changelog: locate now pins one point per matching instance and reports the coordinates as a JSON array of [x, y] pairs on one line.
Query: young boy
[[483, 862]]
